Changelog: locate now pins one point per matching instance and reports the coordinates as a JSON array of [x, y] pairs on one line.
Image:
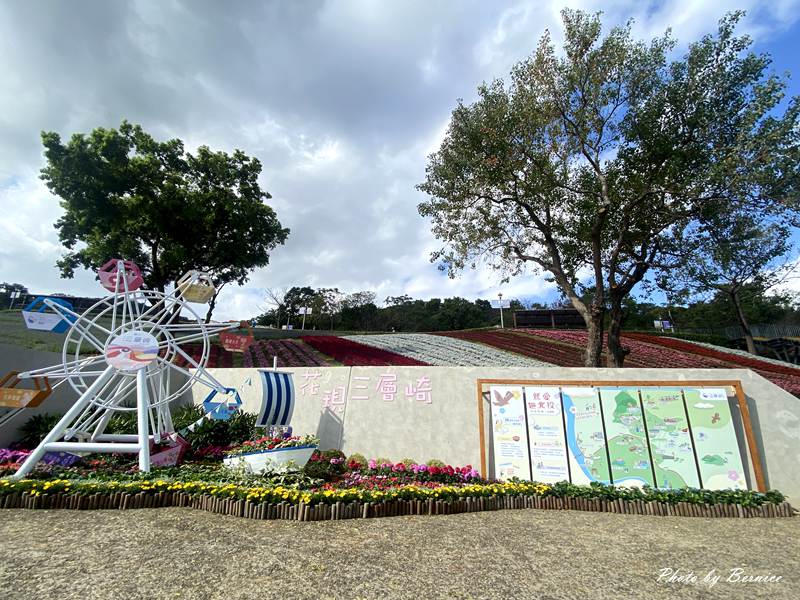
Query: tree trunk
[[616, 352], [211, 304], [748, 335], [594, 317], [594, 341]]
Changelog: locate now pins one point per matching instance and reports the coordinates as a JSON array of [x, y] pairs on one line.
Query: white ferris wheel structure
[[121, 355]]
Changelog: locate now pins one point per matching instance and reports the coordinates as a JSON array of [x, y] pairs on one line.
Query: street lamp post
[[500, 297]]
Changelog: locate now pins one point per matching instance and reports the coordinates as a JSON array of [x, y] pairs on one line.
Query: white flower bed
[[446, 352]]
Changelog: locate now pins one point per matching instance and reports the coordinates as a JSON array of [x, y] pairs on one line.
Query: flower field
[[218, 357], [446, 351], [750, 362], [290, 353], [562, 355], [352, 353], [564, 348], [669, 353]]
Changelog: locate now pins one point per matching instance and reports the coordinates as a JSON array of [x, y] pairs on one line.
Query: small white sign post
[[304, 310], [501, 305], [14, 296]]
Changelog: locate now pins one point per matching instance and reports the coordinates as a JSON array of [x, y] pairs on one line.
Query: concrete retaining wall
[[355, 409], [349, 409], [15, 358]]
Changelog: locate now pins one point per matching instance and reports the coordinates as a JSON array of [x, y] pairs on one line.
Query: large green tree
[[124, 194], [584, 163], [732, 255]]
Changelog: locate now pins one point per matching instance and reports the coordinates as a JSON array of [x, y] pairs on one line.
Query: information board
[[626, 440], [586, 441], [664, 437], [714, 437], [670, 441], [509, 433], [546, 442]]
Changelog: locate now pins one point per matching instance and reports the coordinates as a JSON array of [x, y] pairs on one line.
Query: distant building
[[553, 318]]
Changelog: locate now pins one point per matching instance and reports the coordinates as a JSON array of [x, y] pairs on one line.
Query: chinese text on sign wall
[[386, 387]]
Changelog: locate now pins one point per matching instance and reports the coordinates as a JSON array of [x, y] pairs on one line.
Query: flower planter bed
[[290, 504], [290, 353], [260, 461], [271, 453], [353, 354], [446, 351]]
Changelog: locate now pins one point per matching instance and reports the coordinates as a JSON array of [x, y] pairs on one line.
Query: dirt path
[[180, 553]]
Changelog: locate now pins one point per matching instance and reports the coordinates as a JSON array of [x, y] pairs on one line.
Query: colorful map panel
[[548, 448], [670, 441], [714, 437], [509, 434], [665, 437], [626, 438], [585, 440]]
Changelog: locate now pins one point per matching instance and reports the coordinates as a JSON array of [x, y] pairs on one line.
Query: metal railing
[[764, 331]]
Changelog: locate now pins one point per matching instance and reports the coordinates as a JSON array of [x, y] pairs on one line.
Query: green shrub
[[209, 433], [381, 461], [122, 422], [408, 461], [435, 462], [241, 427], [185, 415], [36, 428], [357, 458]]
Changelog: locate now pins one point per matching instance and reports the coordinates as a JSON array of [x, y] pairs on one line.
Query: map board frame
[[754, 456]]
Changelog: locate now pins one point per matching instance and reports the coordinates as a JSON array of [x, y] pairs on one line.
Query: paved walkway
[[180, 553]]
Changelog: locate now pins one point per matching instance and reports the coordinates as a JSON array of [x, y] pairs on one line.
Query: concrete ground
[[181, 553]]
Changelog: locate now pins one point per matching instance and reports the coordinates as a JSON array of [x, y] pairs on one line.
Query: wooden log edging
[[367, 510]]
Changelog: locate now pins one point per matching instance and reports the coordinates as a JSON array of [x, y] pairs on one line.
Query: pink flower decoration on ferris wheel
[[109, 273]]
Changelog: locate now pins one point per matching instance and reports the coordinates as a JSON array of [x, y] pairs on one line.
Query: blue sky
[[340, 100]]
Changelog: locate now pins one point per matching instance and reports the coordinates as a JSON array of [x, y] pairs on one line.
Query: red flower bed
[[217, 356], [353, 354], [745, 361], [665, 353], [565, 349], [554, 354], [290, 353], [642, 354]]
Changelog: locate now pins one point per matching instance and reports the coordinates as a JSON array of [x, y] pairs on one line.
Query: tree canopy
[[127, 195], [588, 160], [731, 254]]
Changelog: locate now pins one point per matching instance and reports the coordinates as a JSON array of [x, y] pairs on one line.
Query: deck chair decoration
[[39, 316], [196, 286], [12, 396], [238, 340]]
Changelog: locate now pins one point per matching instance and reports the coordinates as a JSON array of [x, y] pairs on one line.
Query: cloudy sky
[[340, 100]]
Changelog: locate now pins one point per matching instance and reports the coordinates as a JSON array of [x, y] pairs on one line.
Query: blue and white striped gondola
[[277, 401]]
